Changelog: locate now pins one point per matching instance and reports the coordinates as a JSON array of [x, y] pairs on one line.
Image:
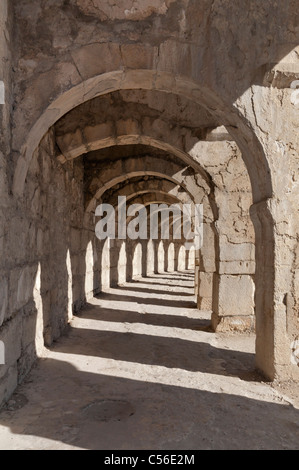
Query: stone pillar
[[137, 260], [170, 257], [161, 257], [89, 271], [105, 264], [122, 262], [274, 286], [176, 255], [205, 269], [233, 303], [130, 251], [150, 265], [166, 247], [156, 260], [144, 261], [115, 246], [196, 277]]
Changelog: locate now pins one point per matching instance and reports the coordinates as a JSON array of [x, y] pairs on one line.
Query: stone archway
[[254, 158]]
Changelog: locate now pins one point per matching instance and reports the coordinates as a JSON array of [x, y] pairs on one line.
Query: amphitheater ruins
[[162, 102]]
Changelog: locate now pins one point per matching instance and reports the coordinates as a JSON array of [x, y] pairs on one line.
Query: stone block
[[138, 56], [207, 253], [236, 251], [71, 144], [98, 58], [236, 295], [100, 135], [21, 282], [237, 267], [127, 127], [239, 324], [11, 336], [205, 291]]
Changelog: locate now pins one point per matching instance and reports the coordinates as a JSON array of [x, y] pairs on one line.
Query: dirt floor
[[140, 369]]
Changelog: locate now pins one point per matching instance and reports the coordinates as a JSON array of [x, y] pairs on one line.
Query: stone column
[[274, 289], [205, 269], [233, 303], [115, 247], [144, 262]]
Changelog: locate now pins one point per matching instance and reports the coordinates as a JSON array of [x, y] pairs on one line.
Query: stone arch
[[157, 185], [146, 257], [122, 171], [207, 271], [252, 151], [249, 144]]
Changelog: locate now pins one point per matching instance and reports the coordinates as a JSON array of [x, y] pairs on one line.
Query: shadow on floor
[[97, 411], [155, 282], [115, 295], [129, 316], [144, 389], [172, 353], [151, 290], [187, 277]]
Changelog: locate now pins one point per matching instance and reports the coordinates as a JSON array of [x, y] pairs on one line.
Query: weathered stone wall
[[5, 154], [8, 374], [45, 257], [227, 260]]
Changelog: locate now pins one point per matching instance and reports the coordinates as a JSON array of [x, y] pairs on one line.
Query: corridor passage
[[139, 368]]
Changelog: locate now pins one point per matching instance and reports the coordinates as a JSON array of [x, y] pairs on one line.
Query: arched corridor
[[148, 221]]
